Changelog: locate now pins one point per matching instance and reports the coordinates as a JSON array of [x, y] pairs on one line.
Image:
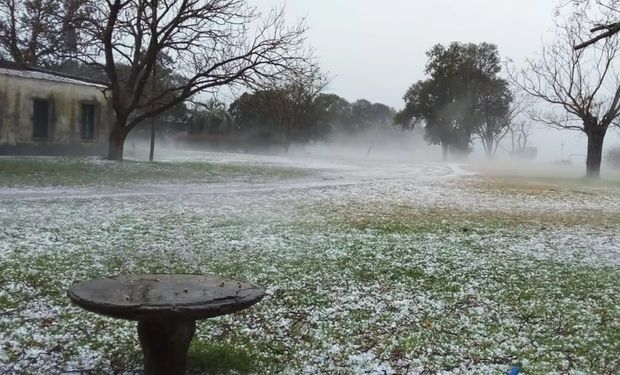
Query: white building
[[48, 113]]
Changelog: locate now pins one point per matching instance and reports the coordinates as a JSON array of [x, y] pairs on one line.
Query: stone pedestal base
[[165, 345]]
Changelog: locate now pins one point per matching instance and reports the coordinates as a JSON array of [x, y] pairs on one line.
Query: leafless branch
[[209, 44], [580, 84]]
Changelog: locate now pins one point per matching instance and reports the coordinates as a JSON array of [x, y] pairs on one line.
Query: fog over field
[[379, 147], [375, 52]]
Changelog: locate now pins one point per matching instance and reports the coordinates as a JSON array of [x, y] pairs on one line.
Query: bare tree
[[211, 43], [39, 32], [292, 97], [581, 85], [520, 132], [604, 21], [28, 30], [494, 128]]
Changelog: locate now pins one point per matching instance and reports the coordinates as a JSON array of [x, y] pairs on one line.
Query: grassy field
[[34, 171], [421, 275]]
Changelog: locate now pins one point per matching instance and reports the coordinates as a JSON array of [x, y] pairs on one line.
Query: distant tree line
[[262, 118]]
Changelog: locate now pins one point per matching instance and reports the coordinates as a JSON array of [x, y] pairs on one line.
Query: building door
[[41, 118]]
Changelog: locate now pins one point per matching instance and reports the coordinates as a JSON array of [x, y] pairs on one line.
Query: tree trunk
[[287, 137], [487, 144], [116, 142], [489, 151], [444, 151], [152, 145], [595, 152]]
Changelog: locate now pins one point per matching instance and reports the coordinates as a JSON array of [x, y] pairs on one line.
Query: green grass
[[65, 171], [217, 358], [547, 185], [391, 218], [438, 288], [537, 313]]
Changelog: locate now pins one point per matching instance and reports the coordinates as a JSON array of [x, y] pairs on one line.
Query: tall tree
[[253, 115], [283, 110], [331, 112], [581, 86], [422, 102], [39, 32], [449, 102], [29, 31], [520, 132], [211, 43], [497, 109], [366, 115], [291, 101]]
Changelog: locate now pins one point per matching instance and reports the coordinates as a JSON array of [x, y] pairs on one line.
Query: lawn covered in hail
[[369, 267]]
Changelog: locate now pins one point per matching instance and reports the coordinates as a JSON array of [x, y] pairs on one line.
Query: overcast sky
[[376, 49]]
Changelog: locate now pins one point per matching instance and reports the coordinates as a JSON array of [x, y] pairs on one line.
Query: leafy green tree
[[211, 117], [333, 113], [253, 116], [493, 113], [330, 112], [283, 112], [262, 115], [366, 115], [292, 103], [455, 100]]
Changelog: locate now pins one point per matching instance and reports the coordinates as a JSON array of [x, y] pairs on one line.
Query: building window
[[88, 121], [41, 118]]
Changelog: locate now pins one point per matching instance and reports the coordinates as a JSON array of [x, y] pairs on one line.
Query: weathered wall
[[16, 117]]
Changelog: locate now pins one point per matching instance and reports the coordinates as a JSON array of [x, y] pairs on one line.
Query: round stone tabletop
[[164, 296]]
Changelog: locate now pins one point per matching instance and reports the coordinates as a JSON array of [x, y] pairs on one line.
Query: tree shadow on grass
[[215, 358]]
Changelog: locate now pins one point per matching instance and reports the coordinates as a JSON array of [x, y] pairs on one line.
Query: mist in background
[[376, 51]]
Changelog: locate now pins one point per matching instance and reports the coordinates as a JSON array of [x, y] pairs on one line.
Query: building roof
[[24, 71]]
